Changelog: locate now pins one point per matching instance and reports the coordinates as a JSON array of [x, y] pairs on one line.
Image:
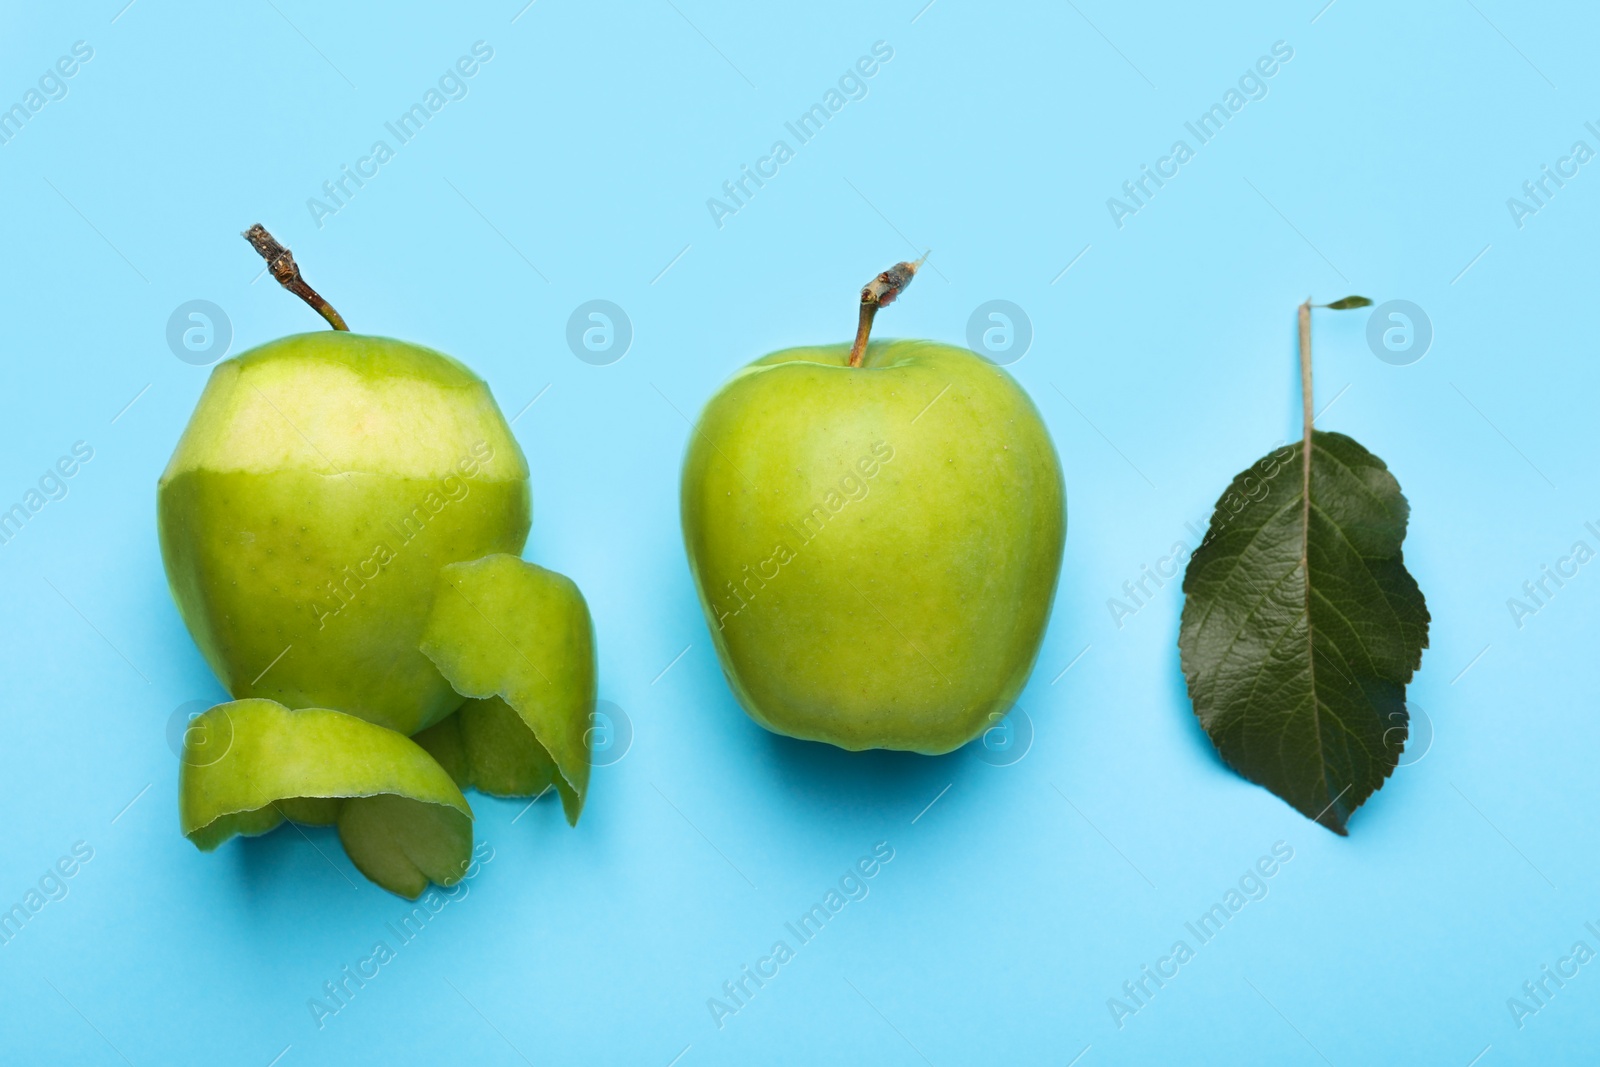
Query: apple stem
[[280, 261], [880, 292]]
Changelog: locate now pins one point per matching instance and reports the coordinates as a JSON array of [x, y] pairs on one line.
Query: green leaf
[[1348, 302], [1302, 627]]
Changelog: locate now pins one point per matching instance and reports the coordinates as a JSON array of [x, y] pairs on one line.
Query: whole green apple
[[876, 546], [322, 483]]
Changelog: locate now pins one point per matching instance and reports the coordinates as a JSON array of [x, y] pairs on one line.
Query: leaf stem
[[280, 261], [880, 292], [1305, 386], [1342, 304]]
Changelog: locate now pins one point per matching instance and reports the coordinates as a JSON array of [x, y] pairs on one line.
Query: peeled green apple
[[322, 483], [340, 525], [876, 546]]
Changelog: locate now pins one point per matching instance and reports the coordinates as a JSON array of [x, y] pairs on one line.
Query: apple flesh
[[322, 483], [876, 548]]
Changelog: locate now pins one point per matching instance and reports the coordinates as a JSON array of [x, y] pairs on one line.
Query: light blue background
[[578, 167]]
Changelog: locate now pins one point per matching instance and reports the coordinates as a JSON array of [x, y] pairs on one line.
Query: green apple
[[875, 546], [322, 482], [339, 525]]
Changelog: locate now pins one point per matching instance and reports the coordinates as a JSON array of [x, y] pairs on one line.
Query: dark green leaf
[[1302, 627], [1348, 302]]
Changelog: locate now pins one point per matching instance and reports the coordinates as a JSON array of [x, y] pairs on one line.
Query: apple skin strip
[[504, 630], [250, 764], [486, 746]]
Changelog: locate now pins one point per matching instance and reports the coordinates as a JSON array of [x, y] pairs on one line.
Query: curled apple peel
[[517, 637], [401, 818], [486, 746], [514, 639]]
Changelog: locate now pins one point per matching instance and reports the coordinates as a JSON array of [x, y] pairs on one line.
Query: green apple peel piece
[[401, 817], [403, 844], [486, 746], [506, 758], [443, 742], [311, 811], [505, 628]]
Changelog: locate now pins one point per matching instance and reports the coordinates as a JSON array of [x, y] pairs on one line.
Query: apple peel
[[515, 637], [401, 818], [403, 844], [486, 746]]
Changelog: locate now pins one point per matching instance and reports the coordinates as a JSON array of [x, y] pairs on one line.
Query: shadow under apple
[[819, 775]]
